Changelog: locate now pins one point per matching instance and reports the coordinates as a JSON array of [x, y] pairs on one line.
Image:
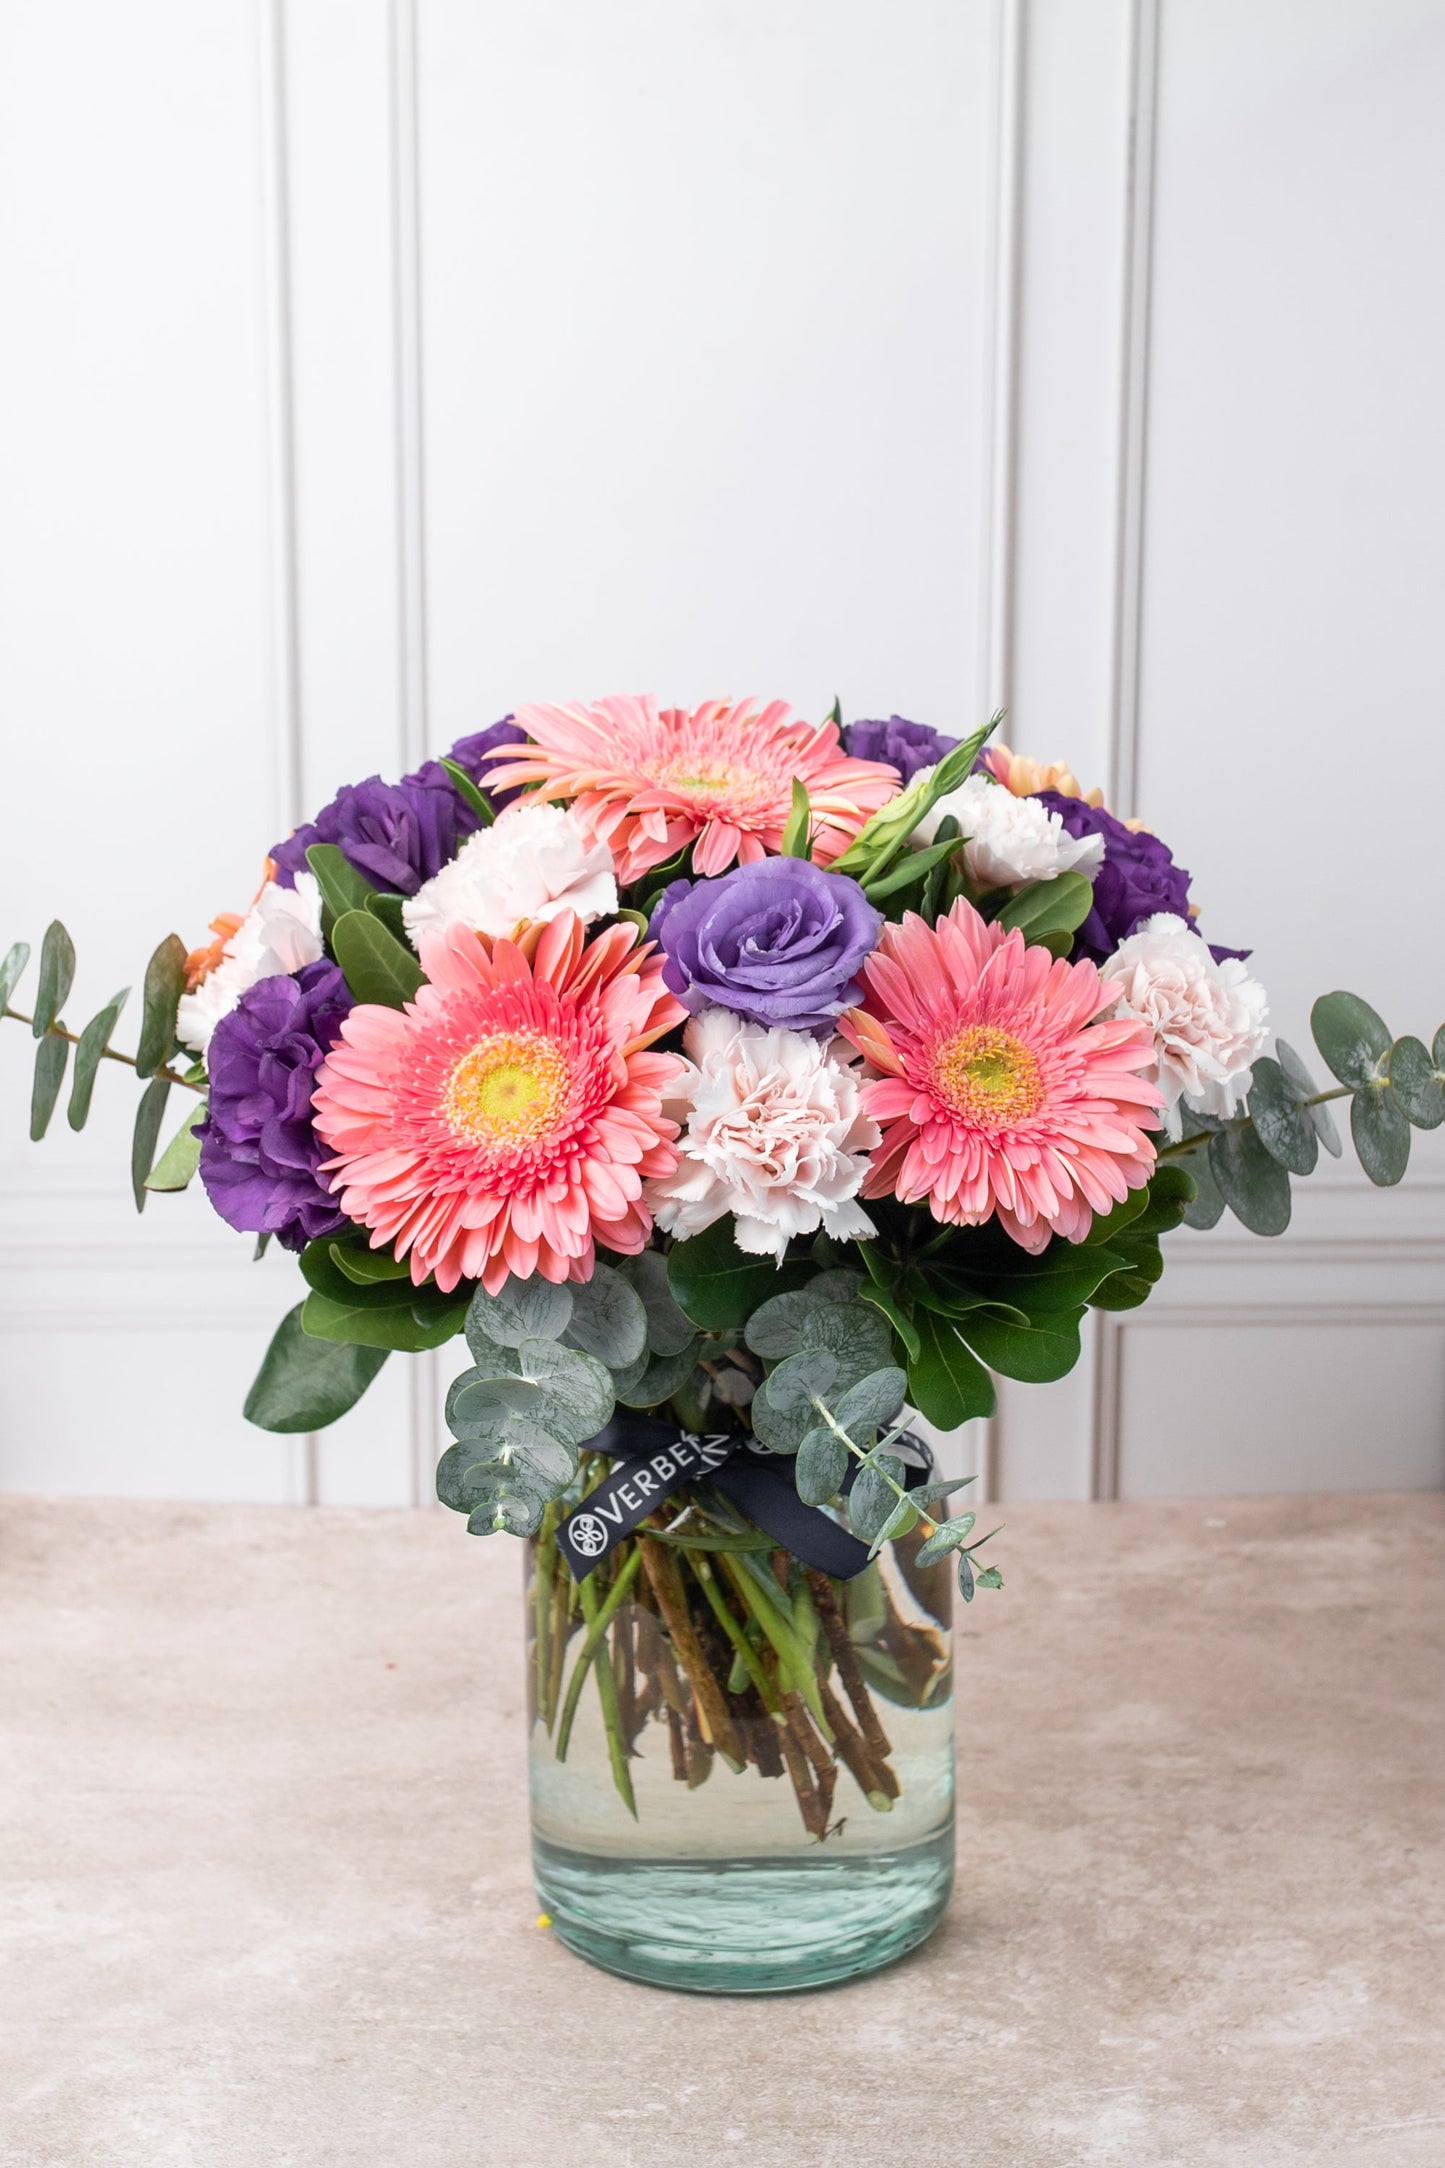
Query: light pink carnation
[[776, 1135]]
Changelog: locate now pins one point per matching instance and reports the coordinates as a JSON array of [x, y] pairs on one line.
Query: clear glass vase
[[741, 1770]]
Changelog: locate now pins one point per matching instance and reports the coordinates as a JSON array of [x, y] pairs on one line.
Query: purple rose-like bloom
[[259, 1151], [778, 941], [398, 835], [472, 753], [909, 746], [1137, 878]]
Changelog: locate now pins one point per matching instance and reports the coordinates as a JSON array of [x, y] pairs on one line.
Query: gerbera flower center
[[510, 1088], [988, 1076], [741, 788]]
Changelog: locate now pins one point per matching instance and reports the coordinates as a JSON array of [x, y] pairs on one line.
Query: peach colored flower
[[1000, 1091], [650, 780], [506, 1120], [1025, 776]]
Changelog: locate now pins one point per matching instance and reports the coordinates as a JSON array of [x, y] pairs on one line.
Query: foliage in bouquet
[[778, 1077]]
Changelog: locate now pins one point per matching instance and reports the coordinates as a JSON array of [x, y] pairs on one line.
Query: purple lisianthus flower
[[473, 753], [1137, 878], [398, 835], [260, 1154], [908, 746], [778, 941]]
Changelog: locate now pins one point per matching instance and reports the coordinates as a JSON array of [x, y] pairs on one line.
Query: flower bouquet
[[745, 1091]]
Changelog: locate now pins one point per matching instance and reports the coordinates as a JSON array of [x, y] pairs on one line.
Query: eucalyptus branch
[[107, 1053], [1184, 1145], [861, 1454]]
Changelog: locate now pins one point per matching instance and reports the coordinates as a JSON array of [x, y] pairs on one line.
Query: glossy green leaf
[[1169, 1193], [1305, 1088], [946, 1382], [669, 1328], [12, 970], [178, 1162], [475, 797], [878, 1298], [1380, 1134], [1057, 906], [51, 1056], [89, 1055], [1038, 1352], [364, 1266], [323, 1271], [1254, 1186], [388, 909], [304, 1384], [1282, 1125], [145, 1136], [342, 887], [395, 1327], [535, 1309], [1350, 1036], [57, 975], [914, 866], [1414, 1082], [719, 1285], [165, 982], [1061, 1279], [377, 967], [797, 836], [608, 1319], [1126, 1290]]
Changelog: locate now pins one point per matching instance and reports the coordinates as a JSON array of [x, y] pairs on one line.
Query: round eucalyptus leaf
[[1306, 1088], [669, 1328], [812, 1373], [506, 1503], [661, 1377], [820, 1467], [872, 1402], [775, 1329], [1437, 1048], [532, 1309], [1281, 1123], [608, 1319], [873, 1502], [575, 1397], [1350, 1036], [1415, 1084], [838, 1284], [1381, 1135], [475, 1399], [629, 1374], [1254, 1186], [860, 1336], [946, 1537], [1207, 1206]]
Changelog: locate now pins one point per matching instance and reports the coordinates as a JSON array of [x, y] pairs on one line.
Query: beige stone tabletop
[[265, 1885]]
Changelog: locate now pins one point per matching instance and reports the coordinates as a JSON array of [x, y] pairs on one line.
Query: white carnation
[[1009, 840], [1210, 1021], [280, 933], [774, 1134], [535, 861]]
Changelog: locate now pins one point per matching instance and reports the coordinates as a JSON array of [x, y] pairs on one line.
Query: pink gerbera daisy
[[1000, 1091], [505, 1120], [650, 780]]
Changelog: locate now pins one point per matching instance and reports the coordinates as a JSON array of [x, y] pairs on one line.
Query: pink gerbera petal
[[997, 1090], [478, 1130], [650, 780]]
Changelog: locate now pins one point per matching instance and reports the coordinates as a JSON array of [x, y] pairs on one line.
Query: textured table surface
[[263, 1864]]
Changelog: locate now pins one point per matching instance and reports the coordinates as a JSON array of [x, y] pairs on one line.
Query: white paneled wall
[[375, 366]]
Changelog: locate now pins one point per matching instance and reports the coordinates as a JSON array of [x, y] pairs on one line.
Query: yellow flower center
[[509, 1088], [988, 1076], [740, 788]]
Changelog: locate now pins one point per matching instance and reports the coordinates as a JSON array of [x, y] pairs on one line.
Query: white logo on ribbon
[[587, 1535]]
